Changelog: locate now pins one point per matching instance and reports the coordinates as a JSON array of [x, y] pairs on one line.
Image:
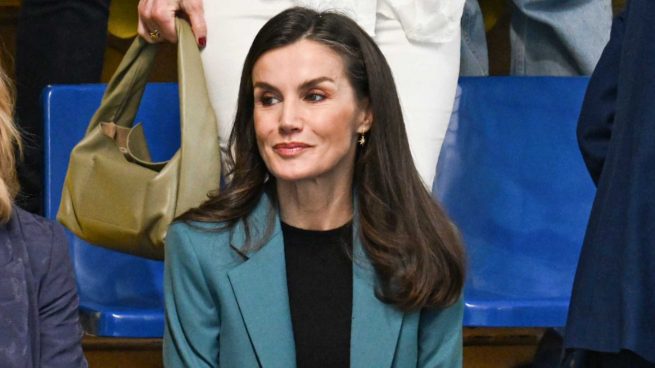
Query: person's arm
[[159, 15], [440, 337], [192, 318], [598, 109], [59, 327]]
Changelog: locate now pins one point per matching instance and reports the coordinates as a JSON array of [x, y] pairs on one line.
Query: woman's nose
[[291, 119]]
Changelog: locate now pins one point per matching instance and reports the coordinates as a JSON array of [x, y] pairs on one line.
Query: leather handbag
[[114, 195]]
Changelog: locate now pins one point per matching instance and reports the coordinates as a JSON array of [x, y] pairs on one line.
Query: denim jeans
[[547, 37], [57, 41]]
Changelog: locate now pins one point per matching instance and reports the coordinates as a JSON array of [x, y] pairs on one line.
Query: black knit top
[[320, 283]]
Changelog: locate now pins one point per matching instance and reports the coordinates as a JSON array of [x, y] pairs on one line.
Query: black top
[[319, 279]]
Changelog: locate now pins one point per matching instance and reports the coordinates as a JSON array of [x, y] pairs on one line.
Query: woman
[[325, 249], [38, 302], [419, 38]]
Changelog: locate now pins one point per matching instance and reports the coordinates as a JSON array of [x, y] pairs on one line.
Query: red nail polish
[[202, 41]]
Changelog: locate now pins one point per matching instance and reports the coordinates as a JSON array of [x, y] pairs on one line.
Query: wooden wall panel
[[483, 348]]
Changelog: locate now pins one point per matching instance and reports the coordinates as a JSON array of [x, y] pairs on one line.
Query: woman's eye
[[314, 97], [268, 100]]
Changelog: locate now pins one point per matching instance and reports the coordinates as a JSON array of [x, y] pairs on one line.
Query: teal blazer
[[229, 308]]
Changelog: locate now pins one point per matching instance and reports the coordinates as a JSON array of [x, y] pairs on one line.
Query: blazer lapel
[[375, 325], [260, 289]]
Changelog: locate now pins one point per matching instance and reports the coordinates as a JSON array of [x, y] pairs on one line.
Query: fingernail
[[202, 41]]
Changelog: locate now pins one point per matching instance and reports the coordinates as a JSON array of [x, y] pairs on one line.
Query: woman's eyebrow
[[266, 86], [304, 86], [313, 82]]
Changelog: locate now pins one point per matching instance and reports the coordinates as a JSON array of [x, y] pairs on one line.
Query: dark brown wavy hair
[[415, 250]]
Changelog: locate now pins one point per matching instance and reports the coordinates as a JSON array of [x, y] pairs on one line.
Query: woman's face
[[307, 116]]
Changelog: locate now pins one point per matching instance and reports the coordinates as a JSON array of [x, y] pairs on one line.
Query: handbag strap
[[122, 96], [200, 159]]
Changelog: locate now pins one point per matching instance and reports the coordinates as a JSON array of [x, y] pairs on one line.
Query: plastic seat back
[[512, 178], [120, 295]]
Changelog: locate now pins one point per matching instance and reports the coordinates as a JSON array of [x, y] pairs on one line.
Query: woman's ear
[[366, 119]]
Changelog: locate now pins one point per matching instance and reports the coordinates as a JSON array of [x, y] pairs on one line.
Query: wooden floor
[[483, 348], [500, 347]]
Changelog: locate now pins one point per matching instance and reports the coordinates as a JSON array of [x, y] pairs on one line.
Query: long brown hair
[[9, 142], [414, 248]]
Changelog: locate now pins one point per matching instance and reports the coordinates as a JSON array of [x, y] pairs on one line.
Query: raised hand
[[157, 19]]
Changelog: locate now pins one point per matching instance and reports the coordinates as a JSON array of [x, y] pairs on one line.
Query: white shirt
[[432, 21]]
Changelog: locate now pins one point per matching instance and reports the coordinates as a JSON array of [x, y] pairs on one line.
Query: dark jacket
[[39, 324], [613, 301]]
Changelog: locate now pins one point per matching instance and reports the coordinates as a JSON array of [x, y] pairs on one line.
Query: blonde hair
[[9, 141]]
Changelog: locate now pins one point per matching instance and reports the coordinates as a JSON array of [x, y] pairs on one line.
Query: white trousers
[[425, 73]]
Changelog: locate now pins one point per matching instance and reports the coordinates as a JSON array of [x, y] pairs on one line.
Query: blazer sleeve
[[440, 337], [598, 109], [192, 326], [60, 330]]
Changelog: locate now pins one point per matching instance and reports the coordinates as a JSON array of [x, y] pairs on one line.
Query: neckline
[[331, 235]]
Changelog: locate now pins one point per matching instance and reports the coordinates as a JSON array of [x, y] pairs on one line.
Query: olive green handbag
[[114, 195]]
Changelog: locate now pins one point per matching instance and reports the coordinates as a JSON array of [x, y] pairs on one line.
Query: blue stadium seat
[[512, 178], [120, 295]]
